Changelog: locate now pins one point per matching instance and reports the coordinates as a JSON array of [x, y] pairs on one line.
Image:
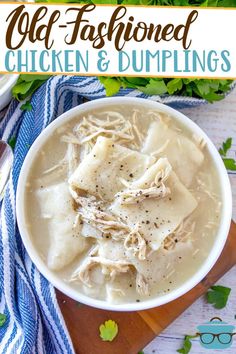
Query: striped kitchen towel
[[34, 322]]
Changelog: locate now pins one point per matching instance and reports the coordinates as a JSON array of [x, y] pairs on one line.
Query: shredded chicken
[[72, 158], [181, 234], [135, 242], [113, 292], [157, 189], [142, 286], [109, 267], [90, 128], [92, 213], [206, 188], [70, 139], [131, 196]]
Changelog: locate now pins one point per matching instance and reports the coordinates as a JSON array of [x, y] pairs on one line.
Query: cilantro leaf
[[187, 345], [154, 87], [226, 146], [218, 296], [3, 319], [112, 86], [174, 85], [12, 142], [142, 352], [230, 164], [26, 85], [210, 90], [108, 330], [27, 106]]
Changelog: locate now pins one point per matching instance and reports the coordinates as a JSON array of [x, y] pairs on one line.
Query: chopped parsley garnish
[[187, 345], [27, 106], [3, 319], [26, 85], [218, 296], [210, 90], [108, 330], [230, 163], [12, 142], [226, 146]]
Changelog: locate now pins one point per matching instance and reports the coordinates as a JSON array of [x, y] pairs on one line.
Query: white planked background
[[218, 120]]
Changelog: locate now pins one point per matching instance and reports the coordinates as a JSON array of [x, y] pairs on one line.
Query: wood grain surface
[[136, 329]]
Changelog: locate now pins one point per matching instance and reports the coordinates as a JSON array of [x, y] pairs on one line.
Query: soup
[[123, 204]]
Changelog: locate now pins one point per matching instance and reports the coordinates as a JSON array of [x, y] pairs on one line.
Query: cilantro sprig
[[230, 163], [12, 142], [210, 90], [218, 296], [26, 85], [27, 106], [187, 345], [108, 330], [3, 319]]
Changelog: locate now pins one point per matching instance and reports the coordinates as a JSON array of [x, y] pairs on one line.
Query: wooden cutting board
[[136, 329]]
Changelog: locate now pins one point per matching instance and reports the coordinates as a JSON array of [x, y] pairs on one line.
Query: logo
[[216, 334]]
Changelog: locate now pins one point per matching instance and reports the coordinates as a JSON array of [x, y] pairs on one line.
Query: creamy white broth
[[181, 252]]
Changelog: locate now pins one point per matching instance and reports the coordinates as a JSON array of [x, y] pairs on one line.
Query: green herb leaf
[[154, 87], [27, 106], [230, 164], [26, 85], [12, 142], [218, 296], [174, 85], [108, 330], [187, 345], [210, 90], [112, 86], [226, 146], [142, 352], [3, 319]]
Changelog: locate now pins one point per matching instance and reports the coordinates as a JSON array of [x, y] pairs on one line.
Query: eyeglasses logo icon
[[216, 334]]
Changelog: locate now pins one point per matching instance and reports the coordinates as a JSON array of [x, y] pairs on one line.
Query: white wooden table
[[209, 118]]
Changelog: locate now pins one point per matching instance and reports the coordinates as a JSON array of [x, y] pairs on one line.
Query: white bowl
[[220, 237], [7, 81]]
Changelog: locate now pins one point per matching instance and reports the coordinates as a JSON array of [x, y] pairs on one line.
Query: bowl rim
[[221, 235], [10, 82]]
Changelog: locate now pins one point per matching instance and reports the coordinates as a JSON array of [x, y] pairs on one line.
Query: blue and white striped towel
[[34, 321]]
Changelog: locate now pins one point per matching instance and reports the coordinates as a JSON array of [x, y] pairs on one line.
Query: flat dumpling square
[[56, 206], [101, 172], [182, 153], [155, 215]]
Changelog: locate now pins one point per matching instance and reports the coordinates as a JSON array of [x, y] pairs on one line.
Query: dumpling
[[101, 172], [64, 232], [160, 263], [184, 156], [155, 214]]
